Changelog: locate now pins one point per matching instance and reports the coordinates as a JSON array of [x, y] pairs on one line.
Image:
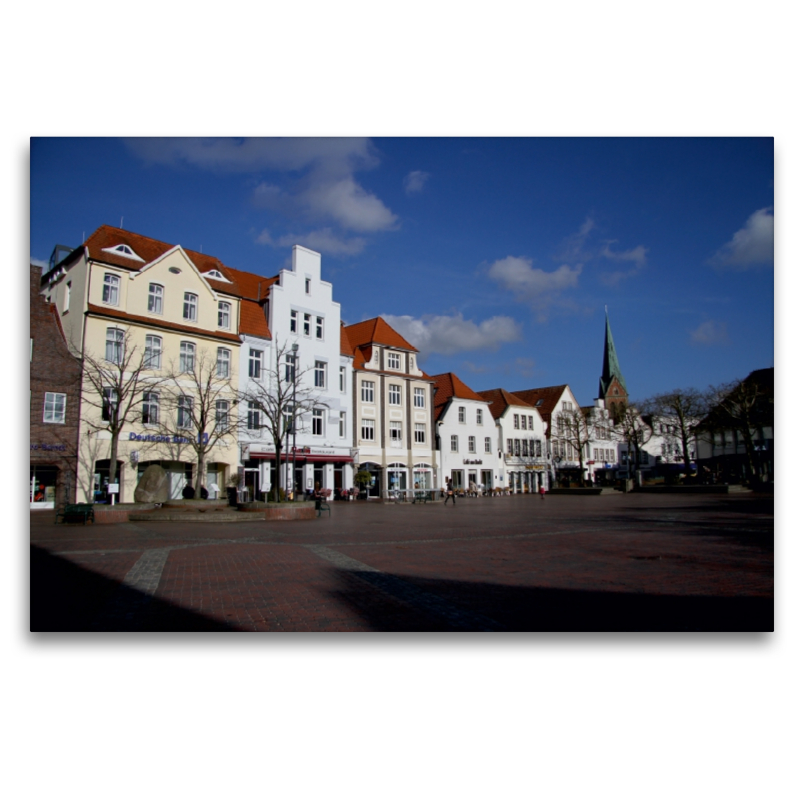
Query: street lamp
[[295, 348]]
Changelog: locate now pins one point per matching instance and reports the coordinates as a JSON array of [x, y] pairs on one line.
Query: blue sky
[[494, 256]]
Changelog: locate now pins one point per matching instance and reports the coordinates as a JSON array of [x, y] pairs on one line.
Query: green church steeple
[[612, 374]]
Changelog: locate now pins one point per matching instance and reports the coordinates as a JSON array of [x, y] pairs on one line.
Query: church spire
[[612, 385]]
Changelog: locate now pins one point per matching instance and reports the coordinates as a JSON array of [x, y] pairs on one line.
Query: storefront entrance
[[42, 486]]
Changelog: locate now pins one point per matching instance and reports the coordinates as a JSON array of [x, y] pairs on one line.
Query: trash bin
[[233, 496]]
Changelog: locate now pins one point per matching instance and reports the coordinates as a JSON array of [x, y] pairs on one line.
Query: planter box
[[107, 515], [288, 511]]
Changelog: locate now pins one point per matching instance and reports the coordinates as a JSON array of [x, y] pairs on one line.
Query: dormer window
[[394, 360], [123, 250], [216, 275]]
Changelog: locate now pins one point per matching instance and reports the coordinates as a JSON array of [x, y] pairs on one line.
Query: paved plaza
[[637, 562]]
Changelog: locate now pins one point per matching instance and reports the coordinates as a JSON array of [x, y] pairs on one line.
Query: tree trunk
[[112, 465]]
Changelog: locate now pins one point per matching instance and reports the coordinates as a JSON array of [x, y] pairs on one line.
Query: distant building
[[612, 390]]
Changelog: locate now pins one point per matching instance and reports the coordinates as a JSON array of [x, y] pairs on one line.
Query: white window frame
[[115, 337], [155, 299], [224, 315], [471, 444], [320, 374], [184, 417], [479, 416], [191, 303], [292, 322], [343, 380], [153, 347], [394, 360], [454, 443], [253, 416], [222, 411], [255, 363], [223, 362], [110, 405], [319, 330], [487, 444], [367, 391], [187, 355], [289, 368], [419, 398], [111, 289], [367, 430], [55, 408], [67, 295], [342, 424], [318, 422], [396, 431], [151, 408], [395, 394], [306, 324], [516, 422], [462, 414], [419, 433]]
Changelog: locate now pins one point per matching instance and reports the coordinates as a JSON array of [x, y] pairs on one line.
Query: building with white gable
[[468, 445]]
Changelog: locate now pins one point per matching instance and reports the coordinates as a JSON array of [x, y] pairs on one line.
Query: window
[[110, 401], [487, 445], [343, 379], [254, 363], [454, 444], [510, 446], [566, 406], [524, 423], [368, 430], [462, 414], [419, 398], [155, 299], [516, 447], [150, 408], [224, 315], [516, 421], [55, 407], [253, 416], [394, 360], [530, 423], [538, 448], [290, 369], [306, 324], [67, 295], [319, 374], [368, 392], [222, 414], [152, 352], [471, 444], [342, 424], [111, 289], [184, 411], [479, 416], [187, 357], [320, 327], [525, 447], [394, 394], [419, 433], [293, 322], [115, 339], [318, 422], [223, 362], [308, 285], [190, 306], [396, 433]]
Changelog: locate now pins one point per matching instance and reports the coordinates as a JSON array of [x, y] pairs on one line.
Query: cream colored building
[[122, 293]]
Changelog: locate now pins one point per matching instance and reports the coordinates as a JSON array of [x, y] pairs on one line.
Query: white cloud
[[38, 262], [324, 241], [532, 285], [710, 332], [573, 248], [449, 335], [414, 181], [638, 254], [348, 204], [751, 246]]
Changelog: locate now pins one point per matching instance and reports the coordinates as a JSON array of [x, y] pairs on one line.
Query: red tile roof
[[103, 311], [499, 400], [253, 320], [549, 395], [377, 331], [449, 385], [345, 347]]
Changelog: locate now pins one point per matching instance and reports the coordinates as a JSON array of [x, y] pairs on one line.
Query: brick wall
[[52, 369]]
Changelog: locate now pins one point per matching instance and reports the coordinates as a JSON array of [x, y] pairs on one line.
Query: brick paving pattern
[[610, 563]]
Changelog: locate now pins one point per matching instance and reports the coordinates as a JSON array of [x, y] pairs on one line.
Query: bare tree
[[682, 408], [632, 429], [746, 407], [279, 403], [197, 410], [113, 385], [575, 428]]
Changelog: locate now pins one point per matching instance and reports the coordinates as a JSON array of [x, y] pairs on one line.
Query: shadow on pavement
[[65, 597], [513, 609]]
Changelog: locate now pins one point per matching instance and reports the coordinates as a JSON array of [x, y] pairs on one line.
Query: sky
[[495, 257]]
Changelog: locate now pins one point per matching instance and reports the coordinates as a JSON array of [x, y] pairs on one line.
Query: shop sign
[[473, 461], [153, 437], [38, 446]]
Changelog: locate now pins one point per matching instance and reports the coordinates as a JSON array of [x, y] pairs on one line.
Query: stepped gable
[[449, 385], [549, 396], [377, 331], [499, 400]]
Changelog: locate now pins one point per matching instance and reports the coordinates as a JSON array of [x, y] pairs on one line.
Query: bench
[[322, 503], [422, 496], [76, 512]]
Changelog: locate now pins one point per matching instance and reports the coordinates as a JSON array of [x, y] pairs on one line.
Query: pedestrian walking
[[449, 493], [541, 491]]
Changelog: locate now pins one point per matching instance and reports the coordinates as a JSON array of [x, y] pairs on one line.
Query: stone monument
[[153, 486]]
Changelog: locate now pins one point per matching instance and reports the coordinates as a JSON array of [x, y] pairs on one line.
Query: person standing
[[449, 493], [541, 491]]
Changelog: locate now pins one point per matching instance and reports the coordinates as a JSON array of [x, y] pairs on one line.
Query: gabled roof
[[345, 347], [252, 320], [499, 400], [611, 368], [549, 395], [449, 385], [241, 284], [377, 331]]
